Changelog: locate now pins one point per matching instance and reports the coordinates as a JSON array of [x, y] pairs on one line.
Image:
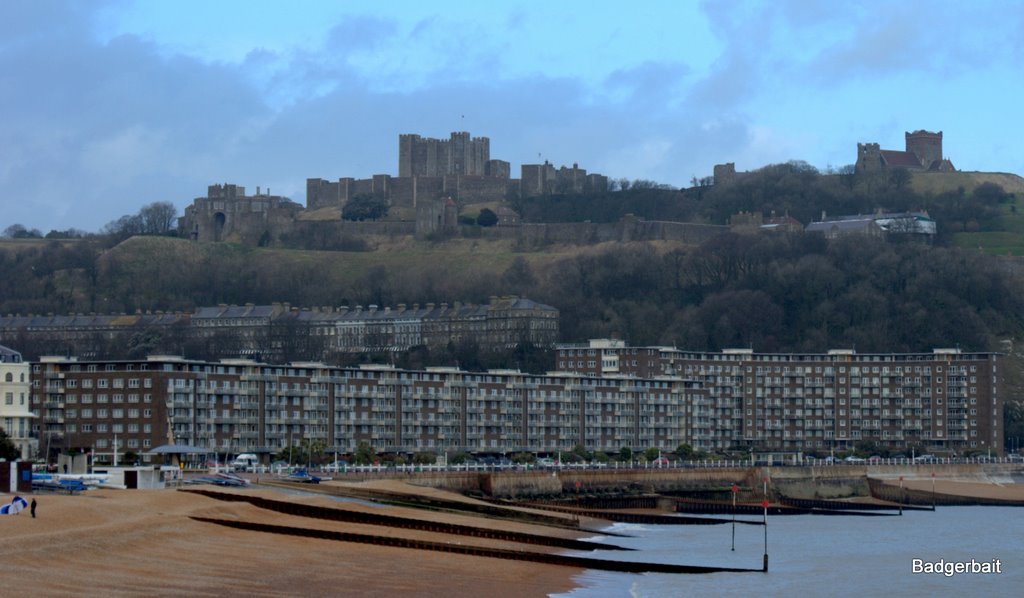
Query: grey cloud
[[97, 130]]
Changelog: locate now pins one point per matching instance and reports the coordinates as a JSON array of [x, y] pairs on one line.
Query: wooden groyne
[[620, 517], [838, 505], [549, 559], [328, 514]]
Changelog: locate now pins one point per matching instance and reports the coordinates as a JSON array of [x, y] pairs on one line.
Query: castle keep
[[459, 167]]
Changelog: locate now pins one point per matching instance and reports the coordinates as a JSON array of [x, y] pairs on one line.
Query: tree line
[[794, 188]]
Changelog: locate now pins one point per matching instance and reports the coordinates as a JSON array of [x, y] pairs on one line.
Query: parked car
[[661, 461], [339, 465]]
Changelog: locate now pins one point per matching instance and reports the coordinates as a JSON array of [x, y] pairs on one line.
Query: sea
[[821, 555]]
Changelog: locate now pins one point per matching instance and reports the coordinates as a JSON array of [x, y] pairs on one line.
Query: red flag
[[764, 503], [735, 489]]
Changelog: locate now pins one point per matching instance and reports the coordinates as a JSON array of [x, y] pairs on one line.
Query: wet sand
[[142, 542]]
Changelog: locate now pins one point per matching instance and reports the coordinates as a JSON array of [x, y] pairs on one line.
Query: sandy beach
[[142, 542]]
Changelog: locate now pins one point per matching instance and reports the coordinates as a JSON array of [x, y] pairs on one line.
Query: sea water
[[819, 555]]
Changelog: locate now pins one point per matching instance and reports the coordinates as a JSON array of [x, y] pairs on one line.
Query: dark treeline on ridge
[[790, 293], [770, 292], [794, 188]]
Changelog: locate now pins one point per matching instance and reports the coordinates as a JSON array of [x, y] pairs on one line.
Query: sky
[[108, 105]]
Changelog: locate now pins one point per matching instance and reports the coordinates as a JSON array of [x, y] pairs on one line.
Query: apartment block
[[944, 400], [235, 406]]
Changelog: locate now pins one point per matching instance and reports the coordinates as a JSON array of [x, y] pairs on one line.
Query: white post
[[115, 450]]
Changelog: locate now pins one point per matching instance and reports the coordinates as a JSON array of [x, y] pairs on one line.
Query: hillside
[[941, 182], [398, 270]]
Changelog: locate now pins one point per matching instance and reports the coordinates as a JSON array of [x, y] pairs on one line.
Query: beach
[[135, 542]]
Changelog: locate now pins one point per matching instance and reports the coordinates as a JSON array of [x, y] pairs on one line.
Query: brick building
[[235, 406], [944, 400]]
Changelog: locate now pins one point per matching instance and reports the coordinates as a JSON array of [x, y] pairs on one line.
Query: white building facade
[[15, 416]]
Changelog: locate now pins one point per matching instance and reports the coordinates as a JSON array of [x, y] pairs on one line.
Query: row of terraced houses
[[604, 396], [268, 331]]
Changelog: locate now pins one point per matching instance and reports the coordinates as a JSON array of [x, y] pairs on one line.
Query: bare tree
[[158, 217]]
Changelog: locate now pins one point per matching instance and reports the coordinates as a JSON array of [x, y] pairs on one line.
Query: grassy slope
[[937, 182], [400, 256], [1006, 242]]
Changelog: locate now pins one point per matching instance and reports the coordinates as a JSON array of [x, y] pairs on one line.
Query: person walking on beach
[[33, 508]]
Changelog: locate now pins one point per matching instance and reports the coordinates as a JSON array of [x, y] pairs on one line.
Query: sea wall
[[792, 482]]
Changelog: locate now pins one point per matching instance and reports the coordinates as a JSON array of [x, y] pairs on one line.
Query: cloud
[[94, 130]]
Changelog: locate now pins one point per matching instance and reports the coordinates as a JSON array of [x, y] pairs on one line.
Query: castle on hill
[[923, 153], [459, 167], [430, 172]]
